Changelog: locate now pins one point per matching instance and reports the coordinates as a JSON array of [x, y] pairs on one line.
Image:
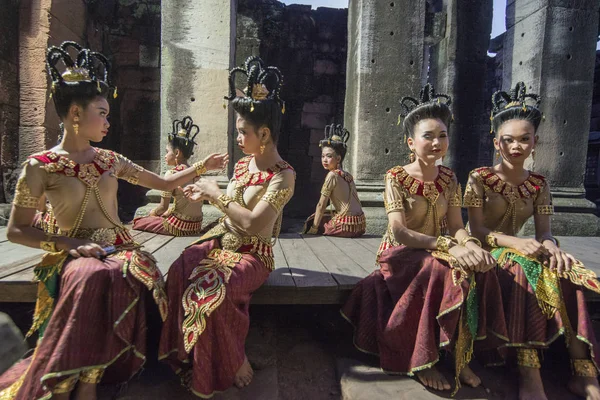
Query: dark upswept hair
[[183, 135], [261, 104], [429, 105], [86, 76], [514, 105], [336, 137]]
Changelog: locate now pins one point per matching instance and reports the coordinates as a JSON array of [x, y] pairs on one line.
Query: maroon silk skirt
[[219, 323], [410, 308], [526, 322], [99, 321], [350, 226]]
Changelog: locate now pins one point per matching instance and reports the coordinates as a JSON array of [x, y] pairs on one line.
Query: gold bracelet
[[49, 244], [222, 202], [491, 240], [470, 239], [200, 168], [528, 358], [313, 230], [444, 243], [584, 368]]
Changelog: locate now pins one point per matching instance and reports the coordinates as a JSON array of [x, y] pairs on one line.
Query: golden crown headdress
[[185, 130], [335, 134]]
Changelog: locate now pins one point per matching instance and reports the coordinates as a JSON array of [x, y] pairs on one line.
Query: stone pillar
[[552, 47], [385, 62], [458, 68], [195, 59]]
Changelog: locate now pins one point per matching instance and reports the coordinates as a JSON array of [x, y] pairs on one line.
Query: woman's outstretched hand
[[216, 161]]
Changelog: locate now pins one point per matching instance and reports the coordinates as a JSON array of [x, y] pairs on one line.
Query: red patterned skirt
[[170, 225], [203, 339], [342, 226], [532, 322], [411, 307], [98, 322]]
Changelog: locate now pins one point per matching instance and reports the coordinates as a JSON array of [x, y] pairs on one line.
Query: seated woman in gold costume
[[93, 280], [210, 285], [348, 219], [542, 286], [182, 218]]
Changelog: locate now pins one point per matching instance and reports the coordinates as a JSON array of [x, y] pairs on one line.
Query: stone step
[[360, 381]]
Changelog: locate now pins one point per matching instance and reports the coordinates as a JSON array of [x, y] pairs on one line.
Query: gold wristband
[[444, 243], [470, 239], [49, 244], [584, 368], [200, 168], [222, 202], [491, 240], [552, 239]]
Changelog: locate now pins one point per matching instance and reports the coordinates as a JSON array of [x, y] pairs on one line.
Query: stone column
[[196, 54], [458, 68], [552, 47], [385, 62]]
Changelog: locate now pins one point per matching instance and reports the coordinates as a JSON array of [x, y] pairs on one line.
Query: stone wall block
[[316, 135], [31, 140], [319, 108], [519, 10], [9, 84], [326, 67], [72, 13]]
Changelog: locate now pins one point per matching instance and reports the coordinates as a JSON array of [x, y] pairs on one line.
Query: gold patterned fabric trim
[[544, 210], [471, 199], [396, 205], [67, 385], [23, 197], [206, 293], [166, 194], [528, 358], [456, 197], [278, 198], [92, 375]]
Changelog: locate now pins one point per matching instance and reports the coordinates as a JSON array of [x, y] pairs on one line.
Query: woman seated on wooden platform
[[348, 219], [183, 217], [434, 288], [210, 285], [93, 280], [542, 286]]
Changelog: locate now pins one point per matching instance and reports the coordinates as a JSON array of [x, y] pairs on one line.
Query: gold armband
[[222, 202], [470, 239], [23, 197], [444, 243], [491, 240], [528, 358], [199, 167], [544, 210], [584, 368]]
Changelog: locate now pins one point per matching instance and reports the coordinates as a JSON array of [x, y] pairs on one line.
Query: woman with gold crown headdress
[[93, 280], [210, 285], [182, 218], [349, 219], [434, 289], [542, 286]]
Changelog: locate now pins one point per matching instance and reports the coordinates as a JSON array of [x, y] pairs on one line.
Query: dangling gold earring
[[497, 154], [412, 156], [76, 126], [262, 148]]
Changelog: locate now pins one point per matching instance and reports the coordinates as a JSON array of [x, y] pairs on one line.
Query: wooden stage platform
[[308, 269]]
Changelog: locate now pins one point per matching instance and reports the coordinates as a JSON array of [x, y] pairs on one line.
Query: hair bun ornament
[[88, 66], [518, 97], [185, 129], [426, 96], [262, 82], [335, 134]]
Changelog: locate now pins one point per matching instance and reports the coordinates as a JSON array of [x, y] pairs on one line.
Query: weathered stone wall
[[9, 95], [309, 46]]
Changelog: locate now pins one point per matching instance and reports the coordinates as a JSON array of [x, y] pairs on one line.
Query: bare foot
[[531, 386], [468, 377], [85, 391], [586, 387], [432, 378], [244, 375]]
